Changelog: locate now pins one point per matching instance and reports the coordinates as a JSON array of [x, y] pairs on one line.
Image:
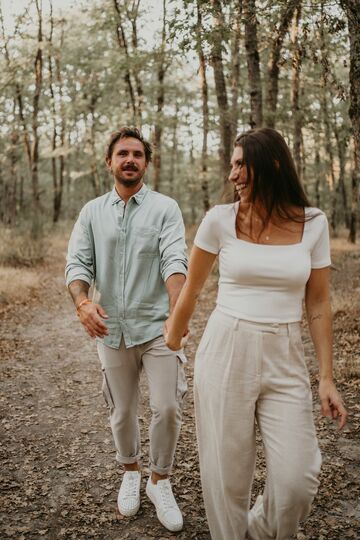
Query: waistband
[[272, 328]]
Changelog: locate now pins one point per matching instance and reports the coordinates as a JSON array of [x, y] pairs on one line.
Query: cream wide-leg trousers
[[247, 372]]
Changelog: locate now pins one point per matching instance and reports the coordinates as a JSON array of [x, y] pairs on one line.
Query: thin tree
[[274, 61], [205, 110], [162, 67], [123, 44], [235, 66], [351, 8], [38, 72], [295, 90], [326, 120], [221, 90], [253, 63]]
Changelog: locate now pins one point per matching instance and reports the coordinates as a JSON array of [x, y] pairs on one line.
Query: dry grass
[[18, 249], [26, 264], [341, 243], [18, 285]]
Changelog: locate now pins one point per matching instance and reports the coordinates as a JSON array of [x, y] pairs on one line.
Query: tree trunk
[[273, 64], [317, 175], [173, 152], [132, 15], [341, 187], [235, 69], [253, 64], [205, 113], [327, 126], [38, 66], [351, 8], [295, 91], [221, 92], [59, 197], [95, 177], [54, 119], [123, 44], [11, 207], [158, 128]]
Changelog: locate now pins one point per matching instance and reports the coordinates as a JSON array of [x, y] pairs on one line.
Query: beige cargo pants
[[167, 387], [245, 373]]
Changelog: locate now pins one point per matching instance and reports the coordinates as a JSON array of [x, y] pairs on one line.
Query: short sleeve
[[208, 233], [320, 253]]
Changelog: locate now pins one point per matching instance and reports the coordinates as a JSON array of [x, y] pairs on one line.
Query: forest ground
[[59, 476]]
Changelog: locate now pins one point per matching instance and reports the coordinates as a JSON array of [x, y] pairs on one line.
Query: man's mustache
[[129, 168]]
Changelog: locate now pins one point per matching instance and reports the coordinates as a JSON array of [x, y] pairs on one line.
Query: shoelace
[[131, 487], [167, 497]]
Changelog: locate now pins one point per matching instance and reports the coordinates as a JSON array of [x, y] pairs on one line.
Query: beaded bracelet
[[82, 303]]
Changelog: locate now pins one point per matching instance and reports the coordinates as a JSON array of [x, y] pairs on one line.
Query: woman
[[273, 251]]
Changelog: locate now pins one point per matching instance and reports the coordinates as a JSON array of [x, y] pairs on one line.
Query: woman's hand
[[173, 341], [331, 402]]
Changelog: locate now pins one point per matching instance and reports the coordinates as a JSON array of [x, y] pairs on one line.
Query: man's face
[[127, 163]]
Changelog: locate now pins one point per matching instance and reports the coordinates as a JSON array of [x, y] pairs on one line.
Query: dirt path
[[59, 475]]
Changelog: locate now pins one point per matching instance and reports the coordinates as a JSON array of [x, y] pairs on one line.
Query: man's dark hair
[[125, 133]]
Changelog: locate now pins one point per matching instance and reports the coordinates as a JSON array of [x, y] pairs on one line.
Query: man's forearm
[[78, 291], [174, 284]]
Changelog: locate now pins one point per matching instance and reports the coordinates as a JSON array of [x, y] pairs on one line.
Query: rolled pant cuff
[[160, 470], [127, 460]]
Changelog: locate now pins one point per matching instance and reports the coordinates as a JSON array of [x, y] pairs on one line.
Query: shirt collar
[[138, 197]]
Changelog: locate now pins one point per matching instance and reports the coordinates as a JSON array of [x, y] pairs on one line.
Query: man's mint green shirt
[[129, 251]]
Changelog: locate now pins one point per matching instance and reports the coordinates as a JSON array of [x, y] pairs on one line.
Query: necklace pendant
[[266, 238]]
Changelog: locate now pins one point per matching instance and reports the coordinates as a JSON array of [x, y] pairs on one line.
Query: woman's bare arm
[[200, 264], [319, 316]]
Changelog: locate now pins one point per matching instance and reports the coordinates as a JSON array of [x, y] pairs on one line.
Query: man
[[130, 243]]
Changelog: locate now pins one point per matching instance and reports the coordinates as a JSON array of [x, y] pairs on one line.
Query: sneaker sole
[[172, 528]]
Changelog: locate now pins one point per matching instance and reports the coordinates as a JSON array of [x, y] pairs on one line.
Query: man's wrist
[[82, 303]]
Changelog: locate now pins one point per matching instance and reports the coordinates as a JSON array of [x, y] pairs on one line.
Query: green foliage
[[91, 94]]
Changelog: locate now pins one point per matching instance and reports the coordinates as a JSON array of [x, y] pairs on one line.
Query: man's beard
[[128, 182]]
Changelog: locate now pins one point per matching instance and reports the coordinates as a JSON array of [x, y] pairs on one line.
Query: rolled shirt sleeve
[[80, 257], [172, 246]]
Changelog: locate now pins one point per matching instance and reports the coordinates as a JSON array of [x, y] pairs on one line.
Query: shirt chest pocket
[[146, 242]]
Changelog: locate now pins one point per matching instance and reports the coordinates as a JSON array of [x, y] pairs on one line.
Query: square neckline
[[269, 245]]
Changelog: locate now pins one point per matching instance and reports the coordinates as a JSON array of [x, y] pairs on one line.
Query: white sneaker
[[129, 493], [167, 510]]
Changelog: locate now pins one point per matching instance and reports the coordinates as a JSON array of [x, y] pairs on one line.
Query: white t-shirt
[[263, 283]]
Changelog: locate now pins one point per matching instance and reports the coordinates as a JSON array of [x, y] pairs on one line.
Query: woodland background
[[191, 74]]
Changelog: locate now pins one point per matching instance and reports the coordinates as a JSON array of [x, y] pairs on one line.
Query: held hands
[[90, 316], [174, 342], [331, 402]]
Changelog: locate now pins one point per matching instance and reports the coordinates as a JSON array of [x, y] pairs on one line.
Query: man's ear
[[108, 163]]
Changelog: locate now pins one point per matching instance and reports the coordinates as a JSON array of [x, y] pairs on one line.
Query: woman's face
[[238, 175]]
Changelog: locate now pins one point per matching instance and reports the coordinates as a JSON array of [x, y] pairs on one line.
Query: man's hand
[[90, 316], [174, 344], [331, 402]]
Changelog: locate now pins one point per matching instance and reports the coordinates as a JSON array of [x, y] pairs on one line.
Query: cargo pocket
[[181, 384], [107, 392]]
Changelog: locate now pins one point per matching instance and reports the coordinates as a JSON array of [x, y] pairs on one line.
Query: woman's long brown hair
[[275, 182]]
